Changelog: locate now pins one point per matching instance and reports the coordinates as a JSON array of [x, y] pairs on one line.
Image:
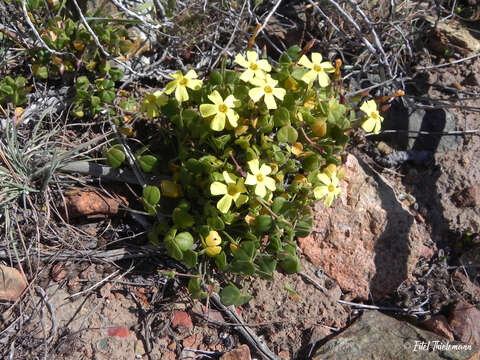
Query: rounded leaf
[[287, 134], [115, 156], [184, 241], [151, 194]]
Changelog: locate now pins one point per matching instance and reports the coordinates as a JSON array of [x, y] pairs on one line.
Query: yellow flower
[[374, 120], [181, 83], [221, 109], [329, 188], [255, 67], [266, 87], [212, 244], [318, 69], [152, 103], [259, 178], [231, 192]]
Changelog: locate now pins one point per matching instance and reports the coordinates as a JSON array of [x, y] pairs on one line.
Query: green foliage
[[13, 90], [254, 150], [75, 46]]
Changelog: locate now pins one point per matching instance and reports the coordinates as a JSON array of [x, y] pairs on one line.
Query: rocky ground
[[390, 271]]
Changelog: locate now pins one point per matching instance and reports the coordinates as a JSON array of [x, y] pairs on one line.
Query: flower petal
[[208, 110], [216, 98], [279, 93], [218, 188], [316, 58], [218, 122], [213, 251], [265, 169], [232, 117], [260, 82], [252, 56], [309, 77], [323, 79], [320, 191], [256, 93], [229, 178], [195, 84], [369, 124], [327, 66], [264, 65], [260, 190], [191, 74], [334, 180], [247, 75], [269, 183], [176, 75], [324, 179], [329, 199], [181, 94], [254, 166], [251, 179], [270, 101], [224, 204], [170, 87], [240, 60], [230, 101], [305, 62]]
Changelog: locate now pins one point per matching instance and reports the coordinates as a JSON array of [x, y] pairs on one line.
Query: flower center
[[267, 89], [222, 108], [183, 82], [374, 115], [253, 67], [260, 178], [317, 68], [232, 190], [331, 188]]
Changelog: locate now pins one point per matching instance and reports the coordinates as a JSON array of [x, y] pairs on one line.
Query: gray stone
[[378, 336], [404, 119]]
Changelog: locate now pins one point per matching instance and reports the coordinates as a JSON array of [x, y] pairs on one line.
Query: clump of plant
[[13, 90], [256, 147], [74, 47]]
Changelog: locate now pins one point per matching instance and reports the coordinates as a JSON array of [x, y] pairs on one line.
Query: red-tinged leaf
[[119, 331]]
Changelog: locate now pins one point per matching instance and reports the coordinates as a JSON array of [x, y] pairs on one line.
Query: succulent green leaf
[[291, 264], [231, 295], [190, 258], [148, 163], [174, 250], [287, 134], [184, 241], [151, 194], [263, 223], [182, 218], [115, 157], [281, 117]]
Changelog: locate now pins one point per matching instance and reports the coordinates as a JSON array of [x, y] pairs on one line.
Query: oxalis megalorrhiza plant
[[257, 146]]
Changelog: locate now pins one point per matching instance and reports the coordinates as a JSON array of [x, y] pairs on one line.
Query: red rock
[[284, 354], [191, 341], [86, 202], [439, 325], [365, 241], [240, 353], [465, 323], [59, 271], [12, 283], [181, 318], [118, 331], [169, 355]]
